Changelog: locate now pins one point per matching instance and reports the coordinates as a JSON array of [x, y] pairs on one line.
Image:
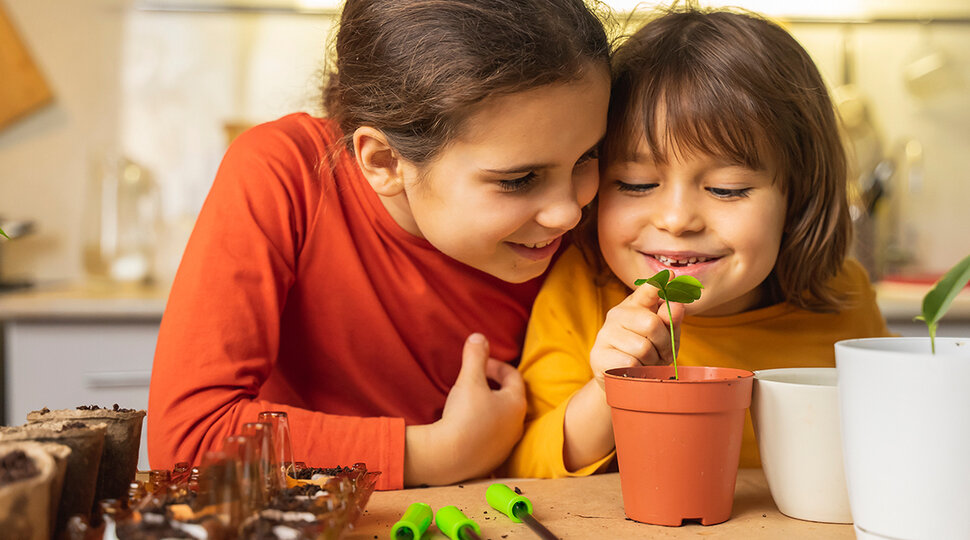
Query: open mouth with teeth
[[679, 263], [538, 245]]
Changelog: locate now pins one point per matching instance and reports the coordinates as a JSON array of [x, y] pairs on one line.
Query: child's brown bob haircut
[[739, 87]]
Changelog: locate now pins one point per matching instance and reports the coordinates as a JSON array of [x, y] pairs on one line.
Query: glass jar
[[122, 216]]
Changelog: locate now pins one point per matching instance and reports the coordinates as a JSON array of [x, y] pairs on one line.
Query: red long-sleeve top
[[298, 292]]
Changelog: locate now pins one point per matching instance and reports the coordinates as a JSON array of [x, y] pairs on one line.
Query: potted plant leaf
[[678, 430], [905, 415]]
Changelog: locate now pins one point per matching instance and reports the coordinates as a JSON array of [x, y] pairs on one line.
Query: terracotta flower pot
[[678, 441]]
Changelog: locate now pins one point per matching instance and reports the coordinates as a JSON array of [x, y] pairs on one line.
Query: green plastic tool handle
[[413, 524], [510, 503], [450, 521]]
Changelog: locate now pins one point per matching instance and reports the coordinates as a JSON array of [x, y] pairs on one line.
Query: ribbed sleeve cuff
[[392, 458]]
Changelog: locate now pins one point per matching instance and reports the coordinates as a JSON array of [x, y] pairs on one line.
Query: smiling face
[[500, 197], [697, 215]]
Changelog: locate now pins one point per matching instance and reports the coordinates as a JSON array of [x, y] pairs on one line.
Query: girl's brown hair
[[737, 86], [415, 69]]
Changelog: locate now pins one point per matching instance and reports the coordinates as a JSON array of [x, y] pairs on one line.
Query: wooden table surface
[[590, 508]]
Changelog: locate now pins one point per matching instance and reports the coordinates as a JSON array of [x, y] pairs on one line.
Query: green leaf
[[639, 282], [938, 300], [681, 297], [4, 234], [688, 280], [660, 279], [685, 293]]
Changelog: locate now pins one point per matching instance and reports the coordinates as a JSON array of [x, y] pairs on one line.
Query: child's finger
[[473, 359], [656, 332], [645, 295], [677, 310], [635, 345], [507, 377], [641, 325]]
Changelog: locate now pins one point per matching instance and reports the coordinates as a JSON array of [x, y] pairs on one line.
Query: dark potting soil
[[309, 472], [308, 498], [114, 408], [16, 466]]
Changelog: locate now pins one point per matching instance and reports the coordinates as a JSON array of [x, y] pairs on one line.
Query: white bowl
[[796, 419]]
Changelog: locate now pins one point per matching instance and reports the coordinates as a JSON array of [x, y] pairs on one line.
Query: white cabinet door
[[63, 364]]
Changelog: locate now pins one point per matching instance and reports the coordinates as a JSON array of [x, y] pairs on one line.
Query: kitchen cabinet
[[900, 302], [79, 346]]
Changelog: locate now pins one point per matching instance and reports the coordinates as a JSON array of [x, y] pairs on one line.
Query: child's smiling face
[[698, 215], [501, 196]]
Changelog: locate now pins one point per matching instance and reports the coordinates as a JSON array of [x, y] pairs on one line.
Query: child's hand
[[635, 333], [478, 427]]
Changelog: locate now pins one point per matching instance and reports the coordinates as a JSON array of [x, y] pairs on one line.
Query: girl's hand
[[635, 333], [478, 427]]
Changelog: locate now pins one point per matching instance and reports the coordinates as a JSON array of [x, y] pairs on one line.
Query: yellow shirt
[[570, 310]]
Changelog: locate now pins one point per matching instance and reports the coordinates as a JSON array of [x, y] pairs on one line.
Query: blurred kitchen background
[[116, 113]]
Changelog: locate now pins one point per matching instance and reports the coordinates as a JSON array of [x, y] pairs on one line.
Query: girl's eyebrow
[[519, 169], [530, 167]]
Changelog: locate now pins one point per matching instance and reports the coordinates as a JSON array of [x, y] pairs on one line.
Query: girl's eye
[[723, 193], [634, 188], [592, 155], [518, 184]]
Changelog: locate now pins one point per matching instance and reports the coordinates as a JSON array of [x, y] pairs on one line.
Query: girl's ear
[[381, 164]]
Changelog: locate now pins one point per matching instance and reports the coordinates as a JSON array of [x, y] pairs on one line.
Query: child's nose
[[678, 216], [565, 206]]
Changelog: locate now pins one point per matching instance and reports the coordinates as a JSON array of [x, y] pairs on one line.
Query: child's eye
[[724, 193], [518, 184], [593, 154], [634, 188]]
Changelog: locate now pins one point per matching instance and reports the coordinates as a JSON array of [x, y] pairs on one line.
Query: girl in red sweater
[[371, 272]]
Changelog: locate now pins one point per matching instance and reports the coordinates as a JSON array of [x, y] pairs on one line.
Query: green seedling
[[681, 289], [3, 234], [938, 300]]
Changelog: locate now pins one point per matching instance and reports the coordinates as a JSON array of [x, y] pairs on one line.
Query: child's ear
[[381, 164]]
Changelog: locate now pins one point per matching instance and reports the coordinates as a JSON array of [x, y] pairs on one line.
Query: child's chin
[[520, 275]]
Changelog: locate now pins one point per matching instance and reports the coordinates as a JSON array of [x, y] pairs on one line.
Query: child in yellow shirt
[[722, 161]]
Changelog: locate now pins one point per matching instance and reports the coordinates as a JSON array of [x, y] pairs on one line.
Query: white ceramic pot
[[796, 419], [906, 436]]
